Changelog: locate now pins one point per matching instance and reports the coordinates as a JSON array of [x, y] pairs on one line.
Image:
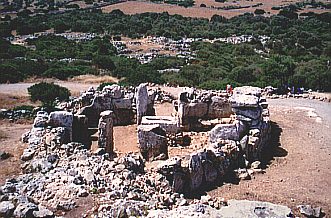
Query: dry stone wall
[[232, 145]]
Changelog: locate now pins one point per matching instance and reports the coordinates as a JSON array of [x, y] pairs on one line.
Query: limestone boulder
[[238, 100], [233, 131], [248, 90], [152, 141], [61, 118]]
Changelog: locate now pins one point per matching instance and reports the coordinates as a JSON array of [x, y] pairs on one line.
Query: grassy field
[[134, 7]]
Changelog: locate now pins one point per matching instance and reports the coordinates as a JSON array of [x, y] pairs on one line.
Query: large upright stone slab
[[105, 131], [141, 101], [152, 141], [196, 171]]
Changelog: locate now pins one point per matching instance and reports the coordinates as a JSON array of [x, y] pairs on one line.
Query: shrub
[[259, 11], [47, 93]]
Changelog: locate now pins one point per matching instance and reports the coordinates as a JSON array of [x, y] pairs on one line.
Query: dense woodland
[[298, 52]]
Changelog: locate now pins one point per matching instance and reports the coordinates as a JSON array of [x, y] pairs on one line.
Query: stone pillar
[[181, 104], [105, 127], [152, 141], [141, 101]]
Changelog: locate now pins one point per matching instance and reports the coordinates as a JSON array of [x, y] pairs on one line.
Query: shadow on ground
[[268, 155], [274, 148]]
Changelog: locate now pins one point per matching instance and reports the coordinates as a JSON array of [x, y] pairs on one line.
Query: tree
[[47, 93], [259, 11], [104, 62], [9, 73]]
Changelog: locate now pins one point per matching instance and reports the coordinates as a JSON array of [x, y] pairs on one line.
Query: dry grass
[[92, 79], [10, 101], [135, 7]]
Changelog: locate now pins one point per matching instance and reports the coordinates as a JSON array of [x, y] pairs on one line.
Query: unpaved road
[[299, 170], [21, 89]]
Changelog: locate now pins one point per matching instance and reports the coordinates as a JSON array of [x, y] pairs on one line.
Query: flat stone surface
[[251, 209]]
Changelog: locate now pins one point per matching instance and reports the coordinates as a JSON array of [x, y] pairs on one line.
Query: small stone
[[82, 193], [25, 210], [120, 167], [182, 202], [100, 151], [6, 208], [309, 211], [256, 165], [43, 212], [243, 174], [4, 155]]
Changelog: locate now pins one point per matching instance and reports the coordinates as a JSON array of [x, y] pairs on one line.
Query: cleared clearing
[[135, 7]]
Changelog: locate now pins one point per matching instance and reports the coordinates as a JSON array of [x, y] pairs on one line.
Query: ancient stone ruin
[[237, 130]]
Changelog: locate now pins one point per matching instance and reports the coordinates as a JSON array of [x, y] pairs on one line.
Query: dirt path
[[21, 89], [10, 142], [299, 172]]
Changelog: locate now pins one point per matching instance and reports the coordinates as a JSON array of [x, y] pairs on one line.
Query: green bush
[[47, 93]]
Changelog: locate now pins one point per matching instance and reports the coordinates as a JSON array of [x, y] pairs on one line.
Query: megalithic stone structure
[[106, 139], [141, 101]]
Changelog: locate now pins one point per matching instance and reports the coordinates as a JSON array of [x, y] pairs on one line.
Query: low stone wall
[[194, 105], [234, 145]]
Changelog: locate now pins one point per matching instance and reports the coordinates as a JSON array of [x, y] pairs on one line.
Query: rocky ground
[[297, 172]]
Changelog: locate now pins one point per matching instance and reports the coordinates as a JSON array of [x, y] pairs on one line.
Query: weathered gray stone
[[196, 171], [122, 103], [244, 101], [252, 209], [41, 119], [105, 131], [248, 90], [6, 208], [113, 91], [25, 210], [152, 141], [61, 119], [43, 212], [309, 211], [219, 107], [141, 101], [198, 109], [232, 131], [168, 123], [253, 114]]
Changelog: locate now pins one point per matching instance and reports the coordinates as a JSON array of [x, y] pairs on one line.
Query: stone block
[[61, 119], [141, 101], [219, 108], [233, 131], [152, 141], [105, 131], [238, 100]]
